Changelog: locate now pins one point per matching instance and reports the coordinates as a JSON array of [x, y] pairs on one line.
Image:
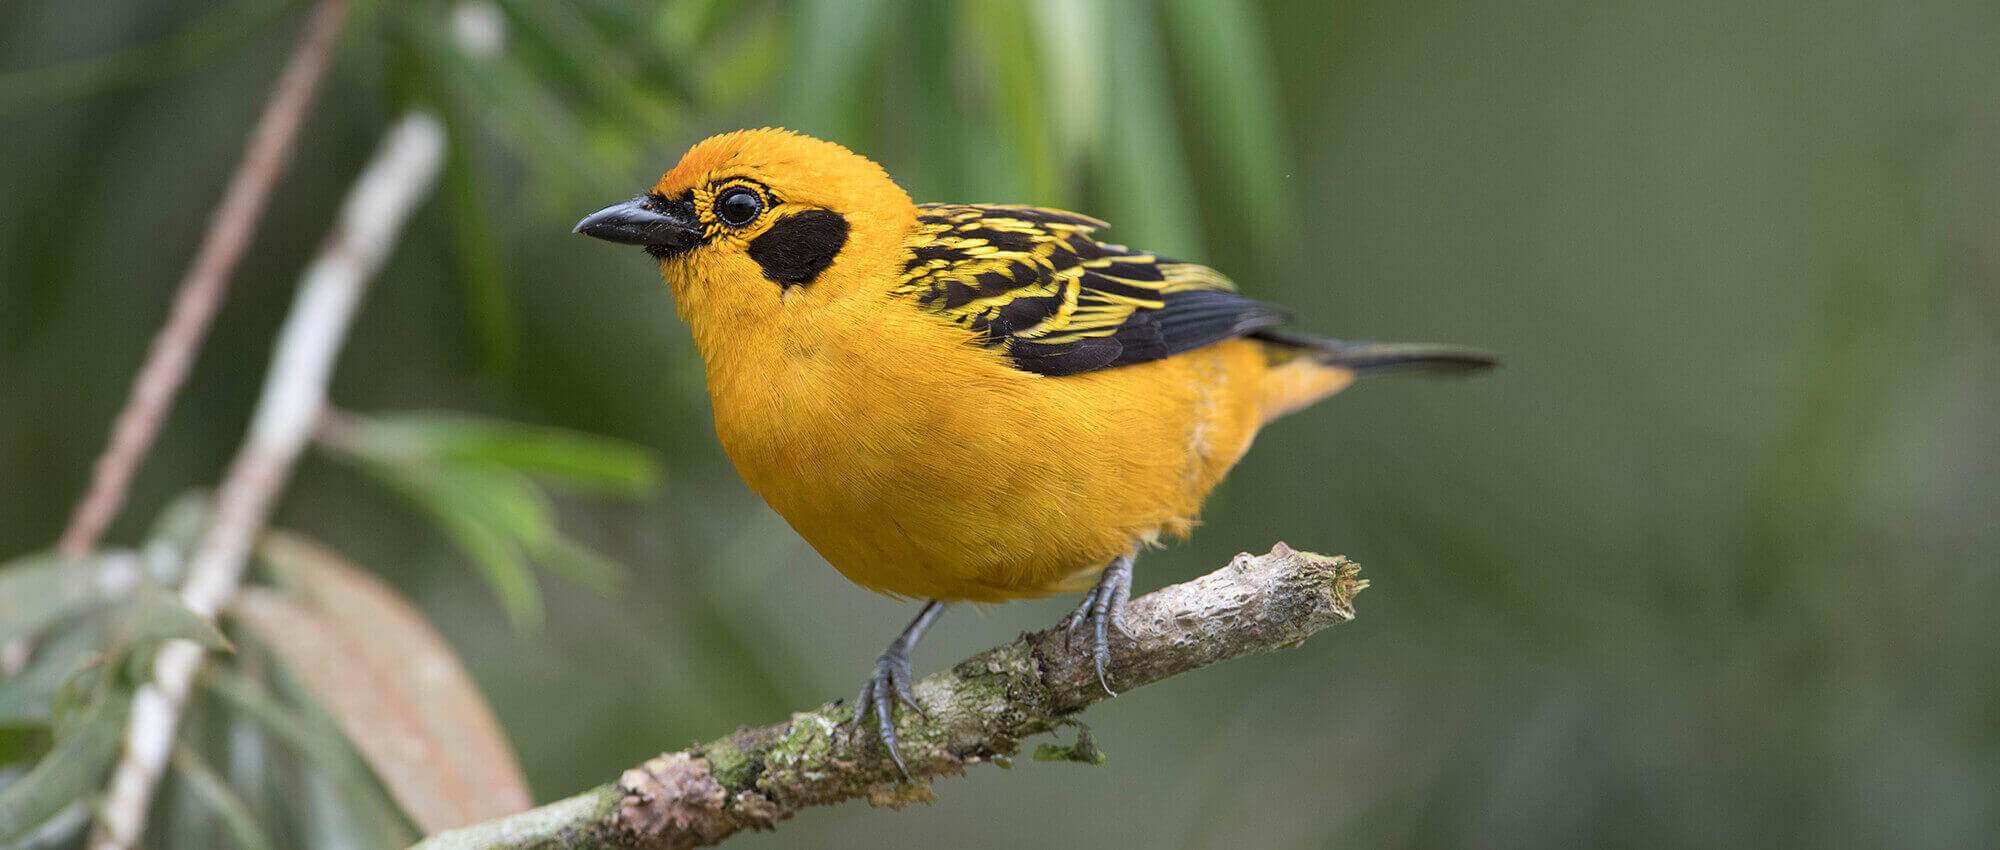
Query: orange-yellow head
[[757, 222]]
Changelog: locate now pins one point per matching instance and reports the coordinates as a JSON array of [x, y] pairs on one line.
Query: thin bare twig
[[399, 176], [229, 231], [978, 711]]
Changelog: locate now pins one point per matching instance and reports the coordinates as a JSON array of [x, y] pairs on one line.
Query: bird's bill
[[645, 220]]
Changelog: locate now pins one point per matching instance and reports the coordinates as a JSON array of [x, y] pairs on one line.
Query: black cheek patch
[[798, 247]]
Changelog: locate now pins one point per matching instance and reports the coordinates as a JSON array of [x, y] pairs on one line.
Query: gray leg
[[1104, 608], [891, 682]]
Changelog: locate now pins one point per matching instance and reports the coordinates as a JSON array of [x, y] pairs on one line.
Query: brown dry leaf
[[389, 680]]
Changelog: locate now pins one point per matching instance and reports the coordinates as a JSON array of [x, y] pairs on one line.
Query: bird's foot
[[891, 683], [1103, 609]]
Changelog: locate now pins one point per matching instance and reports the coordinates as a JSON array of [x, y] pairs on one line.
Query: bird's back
[[958, 401]]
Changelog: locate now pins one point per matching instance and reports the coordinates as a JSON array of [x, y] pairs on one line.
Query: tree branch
[[229, 230], [397, 178], [977, 711]]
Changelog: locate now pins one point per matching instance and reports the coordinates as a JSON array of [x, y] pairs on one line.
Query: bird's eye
[[738, 206]]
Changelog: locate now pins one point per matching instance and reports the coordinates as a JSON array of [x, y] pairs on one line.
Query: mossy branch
[[980, 710]]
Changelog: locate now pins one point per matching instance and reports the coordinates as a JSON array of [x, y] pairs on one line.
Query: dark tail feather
[[1379, 357]]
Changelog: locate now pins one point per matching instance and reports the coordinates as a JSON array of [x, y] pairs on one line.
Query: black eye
[[738, 206]]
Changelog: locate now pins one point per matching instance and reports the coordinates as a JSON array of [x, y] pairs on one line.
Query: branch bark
[[980, 710]]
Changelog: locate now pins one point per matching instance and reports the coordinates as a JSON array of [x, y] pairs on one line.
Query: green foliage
[[86, 739], [1054, 103], [220, 798], [192, 45], [316, 741], [476, 479], [1707, 563], [34, 592], [79, 685]]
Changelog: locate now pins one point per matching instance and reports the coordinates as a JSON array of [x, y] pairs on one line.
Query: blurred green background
[[1711, 561]]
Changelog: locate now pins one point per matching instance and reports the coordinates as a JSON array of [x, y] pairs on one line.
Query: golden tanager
[[965, 402]]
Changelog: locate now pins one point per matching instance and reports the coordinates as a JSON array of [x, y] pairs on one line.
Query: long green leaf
[[153, 614], [563, 47], [28, 697], [83, 750], [319, 742], [542, 131], [1069, 40], [20, 742], [213, 791], [1017, 84], [1147, 190], [490, 522], [1234, 94], [833, 44], [571, 457], [582, 565], [389, 681], [41, 589], [137, 64], [477, 249], [32, 595]]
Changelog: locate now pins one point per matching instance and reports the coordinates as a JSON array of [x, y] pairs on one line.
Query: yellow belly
[[927, 468]]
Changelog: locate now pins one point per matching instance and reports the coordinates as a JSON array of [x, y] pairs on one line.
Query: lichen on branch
[[979, 710]]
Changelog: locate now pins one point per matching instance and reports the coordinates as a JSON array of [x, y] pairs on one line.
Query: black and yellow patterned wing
[[1034, 282]]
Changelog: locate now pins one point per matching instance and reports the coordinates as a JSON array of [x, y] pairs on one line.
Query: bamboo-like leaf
[[545, 134], [152, 614], [32, 595], [563, 47], [939, 123], [84, 748], [644, 33], [28, 697], [479, 523], [1069, 38], [582, 565], [1147, 190], [321, 744], [21, 742], [1003, 46], [173, 535], [392, 684], [737, 62], [198, 41], [558, 454], [475, 245], [833, 44], [41, 589], [214, 792], [470, 474], [497, 496], [1229, 79]]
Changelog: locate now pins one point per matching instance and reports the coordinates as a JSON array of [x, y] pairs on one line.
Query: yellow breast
[[919, 464]]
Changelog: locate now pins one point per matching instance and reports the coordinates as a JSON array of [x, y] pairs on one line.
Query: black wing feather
[[1034, 282]]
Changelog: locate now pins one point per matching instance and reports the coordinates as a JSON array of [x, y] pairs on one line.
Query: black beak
[[663, 226]]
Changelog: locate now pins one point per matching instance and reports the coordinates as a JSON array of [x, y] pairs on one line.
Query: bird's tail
[[1369, 358]]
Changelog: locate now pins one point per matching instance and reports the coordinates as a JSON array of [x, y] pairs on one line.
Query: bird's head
[[761, 221]]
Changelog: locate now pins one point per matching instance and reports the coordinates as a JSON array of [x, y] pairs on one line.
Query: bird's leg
[[1104, 608], [891, 682]]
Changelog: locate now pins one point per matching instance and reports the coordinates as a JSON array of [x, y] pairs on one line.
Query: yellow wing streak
[[1035, 281]]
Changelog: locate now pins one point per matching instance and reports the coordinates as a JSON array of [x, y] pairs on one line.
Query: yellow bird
[[965, 402]]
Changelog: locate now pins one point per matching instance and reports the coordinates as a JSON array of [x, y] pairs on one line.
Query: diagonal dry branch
[[397, 178], [229, 231], [980, 710]]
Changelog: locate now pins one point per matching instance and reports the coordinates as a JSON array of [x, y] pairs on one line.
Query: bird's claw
[[1103, 608], [888, 685]]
